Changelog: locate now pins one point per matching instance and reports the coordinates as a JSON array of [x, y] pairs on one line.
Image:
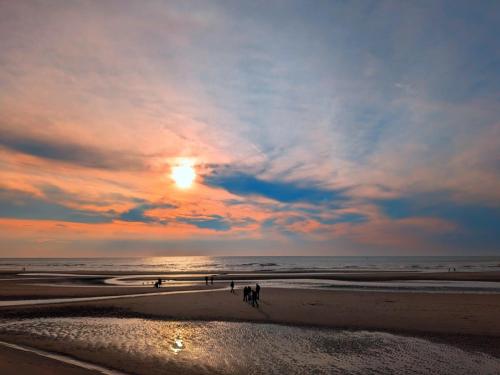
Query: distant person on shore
[[212, 280], [206, 280], [159, 282], [254, 298], [232, 286], [245, 294], [257, 290]]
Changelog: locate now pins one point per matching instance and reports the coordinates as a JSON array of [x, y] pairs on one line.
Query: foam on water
[[147, 346]]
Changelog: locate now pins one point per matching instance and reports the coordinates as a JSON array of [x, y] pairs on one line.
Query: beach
[[467, 320], [474, 314]]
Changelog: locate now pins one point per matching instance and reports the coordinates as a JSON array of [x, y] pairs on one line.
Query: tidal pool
[[156, 347]]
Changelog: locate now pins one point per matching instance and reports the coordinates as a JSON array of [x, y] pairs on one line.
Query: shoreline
[[377, 275], [18, 288]]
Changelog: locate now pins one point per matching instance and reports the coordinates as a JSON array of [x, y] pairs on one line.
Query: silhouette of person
[[232, 286], [245, 293], [257, 290], [206, 280], [255, 303], [212, 280]]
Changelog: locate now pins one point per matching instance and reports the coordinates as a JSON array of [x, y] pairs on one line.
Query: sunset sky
[[314, 128]]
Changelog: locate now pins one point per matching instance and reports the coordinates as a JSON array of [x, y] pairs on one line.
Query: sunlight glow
[[183, 175], [178, 345]]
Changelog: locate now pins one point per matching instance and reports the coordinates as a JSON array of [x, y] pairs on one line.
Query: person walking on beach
[[232, 286], [257, 290], [245, 294], [212, 280], [255, 303], [206, 280]]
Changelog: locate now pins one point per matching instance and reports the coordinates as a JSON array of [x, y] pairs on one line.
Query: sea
[[257, 264]]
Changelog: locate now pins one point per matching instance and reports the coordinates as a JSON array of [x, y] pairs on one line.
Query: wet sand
[[32, 290], [17, 362], [450, 313], [471, 314]]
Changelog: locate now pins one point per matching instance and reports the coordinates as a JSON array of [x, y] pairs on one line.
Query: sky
[[314, 128]]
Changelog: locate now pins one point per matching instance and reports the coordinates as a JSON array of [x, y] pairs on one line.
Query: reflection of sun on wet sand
[[470, 320], [149, 346]]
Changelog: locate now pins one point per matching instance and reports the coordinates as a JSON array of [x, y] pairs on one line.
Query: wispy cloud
[[70, 152], [19, 205]]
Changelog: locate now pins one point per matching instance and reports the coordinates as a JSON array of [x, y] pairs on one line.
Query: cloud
[[243, 184], [477, 225], [69, 152], [352, 218], [137, 213], [215, 222], [54, 193], [20, 205]]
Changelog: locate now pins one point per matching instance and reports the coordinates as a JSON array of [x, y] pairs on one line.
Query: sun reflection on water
[[178, 345]]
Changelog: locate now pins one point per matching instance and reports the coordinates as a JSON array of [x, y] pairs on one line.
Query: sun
[[183, 175]]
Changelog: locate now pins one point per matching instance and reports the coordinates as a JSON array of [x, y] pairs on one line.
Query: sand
[[461, 319], [450, 313], [471, 314], [16, 362], [16, 291]]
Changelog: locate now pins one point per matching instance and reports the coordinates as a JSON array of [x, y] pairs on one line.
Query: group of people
[[251, 295]]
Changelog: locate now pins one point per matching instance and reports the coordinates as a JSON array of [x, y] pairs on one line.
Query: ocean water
[[157, 347], [254, 263], [303, 282]]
